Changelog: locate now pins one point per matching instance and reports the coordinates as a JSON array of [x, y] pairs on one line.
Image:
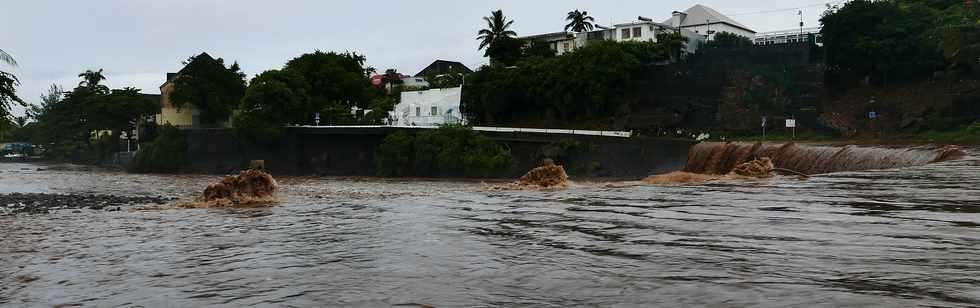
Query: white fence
[[606, 133]]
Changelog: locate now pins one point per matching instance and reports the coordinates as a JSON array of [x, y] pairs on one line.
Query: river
[[903, 237]]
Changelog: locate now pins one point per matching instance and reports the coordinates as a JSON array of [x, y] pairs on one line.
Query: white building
[[698, 24], [708, 22], [428, 108]]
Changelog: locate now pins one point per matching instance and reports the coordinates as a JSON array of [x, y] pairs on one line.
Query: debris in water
[[26, 278], [251, 188], [759, 168], [680, 177], [547, 176]]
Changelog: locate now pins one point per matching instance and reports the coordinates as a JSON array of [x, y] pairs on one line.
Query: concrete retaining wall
[[342, 151]]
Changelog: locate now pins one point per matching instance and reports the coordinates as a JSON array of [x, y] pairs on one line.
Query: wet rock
[[547, 176], [37, 203]]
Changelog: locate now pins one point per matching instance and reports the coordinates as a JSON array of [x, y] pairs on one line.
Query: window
[[418, 111], [637, 32], [565, 47], [626, 34], [434, 111]]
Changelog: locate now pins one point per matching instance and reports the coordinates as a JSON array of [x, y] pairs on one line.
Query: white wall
[[416, 108], [719, 28], [647, 32]]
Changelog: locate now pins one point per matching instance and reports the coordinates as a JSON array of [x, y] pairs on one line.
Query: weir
[[722, 158]]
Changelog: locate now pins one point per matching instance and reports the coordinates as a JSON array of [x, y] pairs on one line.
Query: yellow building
[[188, 116]]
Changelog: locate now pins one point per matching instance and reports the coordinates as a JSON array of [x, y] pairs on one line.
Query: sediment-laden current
[[900, 237]]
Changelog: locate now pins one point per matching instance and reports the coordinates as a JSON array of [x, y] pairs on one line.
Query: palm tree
[[6, 58], [8, 87], [579, 21], [497, 27], [91, 79]]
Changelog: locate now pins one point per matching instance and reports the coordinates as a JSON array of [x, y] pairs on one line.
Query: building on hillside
[[698, 24], [706, 21], [560, 42], [788, 36], [442, 67], [428, 108], [188, 116], [407, 81]]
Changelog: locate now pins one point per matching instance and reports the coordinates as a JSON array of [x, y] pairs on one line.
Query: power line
[[787, 9]]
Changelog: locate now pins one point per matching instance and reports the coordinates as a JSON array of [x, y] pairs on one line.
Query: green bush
[[164, 155], [451, 150], [394, 156]]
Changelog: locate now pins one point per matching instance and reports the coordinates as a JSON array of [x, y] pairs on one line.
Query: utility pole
[[801, 25]]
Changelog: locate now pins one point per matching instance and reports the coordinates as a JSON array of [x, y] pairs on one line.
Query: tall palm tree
[[497, 27], [6, 58], [8, 87], [579, 21], [91, 79]]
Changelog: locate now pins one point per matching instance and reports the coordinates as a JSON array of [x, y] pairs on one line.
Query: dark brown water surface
[[904, 237]]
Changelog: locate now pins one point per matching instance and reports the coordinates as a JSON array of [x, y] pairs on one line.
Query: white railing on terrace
[[606, 133]]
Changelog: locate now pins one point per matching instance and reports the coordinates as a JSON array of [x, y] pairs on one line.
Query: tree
[[728, 39], [673, 44], [209, 85], [391, 78], [6, 58], [538, 48], [119, 110], [451, 79], [497, 27], [91, 79], [881, 38], [338, 82], [506, 51], [579, 21], [8, 87], [573, 90], [274, 98]]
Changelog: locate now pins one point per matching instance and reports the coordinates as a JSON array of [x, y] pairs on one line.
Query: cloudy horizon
[[138, 42]]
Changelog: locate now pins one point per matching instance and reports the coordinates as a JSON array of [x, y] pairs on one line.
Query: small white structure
[[428, 108]]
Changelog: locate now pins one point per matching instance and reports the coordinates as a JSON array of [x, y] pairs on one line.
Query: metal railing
[[605, 133]]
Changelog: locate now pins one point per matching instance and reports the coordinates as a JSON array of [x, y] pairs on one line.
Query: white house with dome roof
[[706, 21]]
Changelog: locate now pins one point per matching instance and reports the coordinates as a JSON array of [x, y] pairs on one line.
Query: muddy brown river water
[[903, 237]]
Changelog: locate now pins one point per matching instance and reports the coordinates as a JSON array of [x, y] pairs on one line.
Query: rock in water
[[248, 187], [547, 176]]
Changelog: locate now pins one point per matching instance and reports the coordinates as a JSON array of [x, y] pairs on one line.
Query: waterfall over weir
[[721, 158]]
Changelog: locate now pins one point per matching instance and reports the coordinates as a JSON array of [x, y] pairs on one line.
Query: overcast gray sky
[[138, 41]]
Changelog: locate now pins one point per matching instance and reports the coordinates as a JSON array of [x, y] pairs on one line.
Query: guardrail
[[620, 134]]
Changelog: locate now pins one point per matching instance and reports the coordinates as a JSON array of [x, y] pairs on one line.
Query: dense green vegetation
[[327, 83], [8, 97], [451, 150], [586, 86], [85, 124], [897, 40], [165, 154], [214, 89]]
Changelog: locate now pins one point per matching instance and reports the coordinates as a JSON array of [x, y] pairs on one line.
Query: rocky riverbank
[[34, 203]]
